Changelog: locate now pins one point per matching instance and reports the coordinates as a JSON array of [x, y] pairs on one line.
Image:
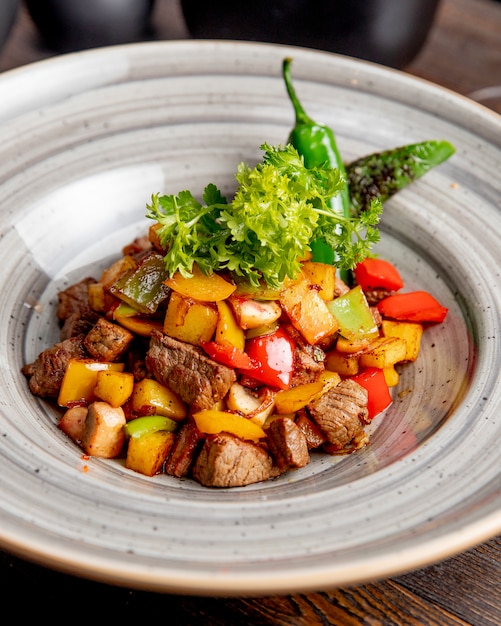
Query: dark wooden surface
[[463, 53]]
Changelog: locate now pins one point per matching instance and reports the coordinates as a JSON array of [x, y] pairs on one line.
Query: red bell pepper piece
[[378, 274], [227, 355], [415, 306], [273, 358], [372, 379]]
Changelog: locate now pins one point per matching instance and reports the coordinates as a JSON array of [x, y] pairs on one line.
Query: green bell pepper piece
[[147, 424], [354, 316], [143, 288]]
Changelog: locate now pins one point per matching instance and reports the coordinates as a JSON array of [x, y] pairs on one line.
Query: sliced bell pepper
[[273, 357], [143, 288], [354, 316], [414, 306], [227, 355], [142, 425], [373, 379], [375, 273]]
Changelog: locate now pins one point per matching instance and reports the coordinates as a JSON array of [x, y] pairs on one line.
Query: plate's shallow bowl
[[85, 139]]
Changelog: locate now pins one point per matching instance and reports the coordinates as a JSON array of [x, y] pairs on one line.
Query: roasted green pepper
[[144, 287], [317, 145], [382, 174]]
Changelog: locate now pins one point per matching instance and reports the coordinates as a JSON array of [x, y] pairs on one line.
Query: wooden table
[[463, 53]]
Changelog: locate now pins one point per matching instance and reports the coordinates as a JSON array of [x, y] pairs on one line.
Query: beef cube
[[287, 444], [227, 461], [198, 380], [184, 449], [45, 374], [309, 361], [75, 299], [341, 414], [314, 436], [74, 325], [108, 341]]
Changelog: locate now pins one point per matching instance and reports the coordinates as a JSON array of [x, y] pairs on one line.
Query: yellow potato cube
[[98, 298], [391, 376], [410, 331], [190, 320], [149, 396], [384, 352], [308, 312], [323, 275], [118, 268], [342, 363], [114, 387], [147, 454]]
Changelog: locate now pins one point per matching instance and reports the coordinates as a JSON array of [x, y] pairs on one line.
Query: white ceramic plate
[[84, 141]]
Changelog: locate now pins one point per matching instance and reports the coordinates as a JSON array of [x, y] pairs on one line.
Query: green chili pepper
[[382, 174], [317, 145]]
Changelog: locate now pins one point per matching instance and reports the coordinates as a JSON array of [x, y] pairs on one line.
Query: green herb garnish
[[279, 207]]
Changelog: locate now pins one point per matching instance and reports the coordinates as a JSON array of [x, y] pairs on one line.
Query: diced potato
[[213, 422], [103, 433], [228, 332], [190, 320], [294, 399], [114, 387], [352, 347], [149, 396], [384, 352], [391, 376], [343, 364], [118, 268], [329, 379], [251, 313], [210, 288], [307, 311], [323, 275], [154, 238], [99, 299], [410, 331], [80, 378], [147, 454]]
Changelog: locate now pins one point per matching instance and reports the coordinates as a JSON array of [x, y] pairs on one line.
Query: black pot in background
[[390, 32], [67, 25], [8, 13]]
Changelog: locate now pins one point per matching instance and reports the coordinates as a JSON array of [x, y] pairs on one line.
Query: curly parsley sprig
[[279, 207]]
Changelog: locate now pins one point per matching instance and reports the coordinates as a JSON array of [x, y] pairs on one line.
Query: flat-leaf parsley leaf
[[279, 207]]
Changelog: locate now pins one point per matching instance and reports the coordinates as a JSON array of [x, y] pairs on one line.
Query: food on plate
[[219, 346]]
